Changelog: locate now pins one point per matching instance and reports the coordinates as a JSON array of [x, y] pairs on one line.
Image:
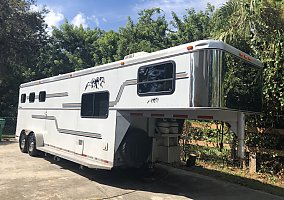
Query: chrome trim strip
[[67, 131], [181, 75], [75, 108], [71, 105], [118, 96], [59, 94]]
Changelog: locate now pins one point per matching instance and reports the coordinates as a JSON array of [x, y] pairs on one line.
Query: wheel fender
[[38, 136], [39, 139]]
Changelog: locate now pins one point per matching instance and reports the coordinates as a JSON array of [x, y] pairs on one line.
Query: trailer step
[[75, 158]]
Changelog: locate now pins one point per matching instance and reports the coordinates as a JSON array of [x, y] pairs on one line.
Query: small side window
[[95, 105], [42, 96], [32, 97], [23, 98]]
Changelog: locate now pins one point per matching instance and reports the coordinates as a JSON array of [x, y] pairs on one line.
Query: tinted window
[[95, 105], [32, 97], [23, 98], [156, 79], [42, 96]]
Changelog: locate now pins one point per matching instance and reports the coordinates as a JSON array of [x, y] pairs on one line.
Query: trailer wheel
[[32, 145], [23, 143], [135, 147]]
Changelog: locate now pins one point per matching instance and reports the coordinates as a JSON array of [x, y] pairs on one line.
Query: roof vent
[[141, 53]]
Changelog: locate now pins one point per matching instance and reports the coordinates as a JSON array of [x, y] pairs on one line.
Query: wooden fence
[[252, 151]]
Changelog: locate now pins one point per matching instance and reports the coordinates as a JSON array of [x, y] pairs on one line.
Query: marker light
[[189, 47], [244, 56]]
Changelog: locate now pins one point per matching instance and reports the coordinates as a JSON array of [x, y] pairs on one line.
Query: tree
[[70, 48], [194, 26], [257, 27], [149, 34], [108, 47], [22, 34]]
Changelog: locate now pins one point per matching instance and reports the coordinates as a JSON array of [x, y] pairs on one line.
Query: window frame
[[23, 100], [96, 117], [173, 79], [33, 97], [39, 96]]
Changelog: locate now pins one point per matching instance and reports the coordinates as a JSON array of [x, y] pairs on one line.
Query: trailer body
[[131, 111]]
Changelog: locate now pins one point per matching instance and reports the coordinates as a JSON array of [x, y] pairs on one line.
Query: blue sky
[[111, 14]]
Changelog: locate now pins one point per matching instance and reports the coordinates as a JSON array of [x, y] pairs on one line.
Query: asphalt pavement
[[38, 178]]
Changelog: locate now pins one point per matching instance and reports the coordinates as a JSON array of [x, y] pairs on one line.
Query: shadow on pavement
[[156, 181], [247, 182], [161, 180]]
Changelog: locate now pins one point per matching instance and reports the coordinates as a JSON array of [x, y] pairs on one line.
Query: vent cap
[[138, 54]]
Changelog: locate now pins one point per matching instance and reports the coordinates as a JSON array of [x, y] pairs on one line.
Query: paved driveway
[[25, 177]]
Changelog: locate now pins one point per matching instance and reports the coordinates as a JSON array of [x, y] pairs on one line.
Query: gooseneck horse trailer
[[129, 112]]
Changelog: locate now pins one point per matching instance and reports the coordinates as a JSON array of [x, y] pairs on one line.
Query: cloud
[[104, 20], [94, 19], [80, 19], [52, 18], [178, 6], [35, 8]]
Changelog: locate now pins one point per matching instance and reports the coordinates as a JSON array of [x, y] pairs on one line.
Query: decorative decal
[[96, 83], [153, 100], [106, 147]]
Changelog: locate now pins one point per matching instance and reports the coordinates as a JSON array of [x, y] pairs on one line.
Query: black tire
[[135, 147], [32, 145], [23, 143]]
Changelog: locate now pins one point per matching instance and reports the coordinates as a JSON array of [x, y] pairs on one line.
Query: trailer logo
[[96, 83], [153, 100]]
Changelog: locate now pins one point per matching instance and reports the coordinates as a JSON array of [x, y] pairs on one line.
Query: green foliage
[[212, 155], [22, 35], [69, 48], [257, 27], [148, 34], [194, 26], [204, 131], [108, 46]]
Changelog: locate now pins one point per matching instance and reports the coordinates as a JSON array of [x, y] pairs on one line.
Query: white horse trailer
[[129, 112]]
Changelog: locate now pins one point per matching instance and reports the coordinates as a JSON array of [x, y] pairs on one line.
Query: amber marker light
[[189, 48], [122, 63]]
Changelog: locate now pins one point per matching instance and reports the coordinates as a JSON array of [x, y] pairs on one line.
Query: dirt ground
[[25, 177]]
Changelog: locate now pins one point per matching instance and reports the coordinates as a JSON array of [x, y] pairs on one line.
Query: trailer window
[[95, 105], [157, 79], [32, 97], [42, 96], [23, 98]]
